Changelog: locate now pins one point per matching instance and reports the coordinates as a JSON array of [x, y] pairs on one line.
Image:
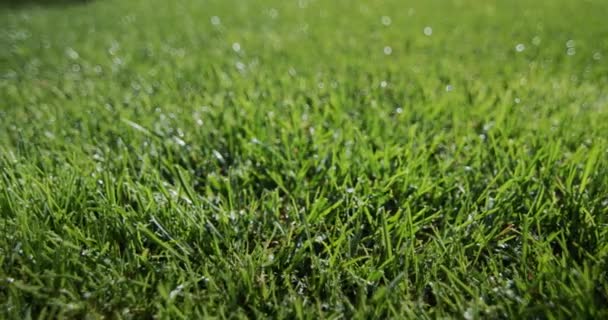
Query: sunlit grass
[[304, 159]]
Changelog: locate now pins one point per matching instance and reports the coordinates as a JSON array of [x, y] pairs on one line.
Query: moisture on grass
[[304, 159]]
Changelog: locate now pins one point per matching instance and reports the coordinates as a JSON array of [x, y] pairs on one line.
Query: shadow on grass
[[16, 4]]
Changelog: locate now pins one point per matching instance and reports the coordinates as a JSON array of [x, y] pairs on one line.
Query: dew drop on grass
[[386, 20], [388, 50], [597, 56], [273, 13], [236, 47], [72, 54], [570, 44], [449, 88], [571, 51], [383, 84], [216, 21], [428, 31], [218, 156], [350, 190], [520, 47], [175, 292], [468, 314]]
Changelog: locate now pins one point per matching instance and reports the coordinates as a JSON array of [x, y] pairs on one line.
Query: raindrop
[[399, 110], [520, 47], [350, 190], [449, 88], [239, 65], [216, 21], [517, 100], [386, 20], [388, 50], [428, 31], [383, 84]]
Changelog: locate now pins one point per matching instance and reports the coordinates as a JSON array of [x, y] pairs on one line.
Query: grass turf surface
[[304, 159]]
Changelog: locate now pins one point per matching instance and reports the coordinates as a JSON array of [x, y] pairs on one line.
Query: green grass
[[239, 159]]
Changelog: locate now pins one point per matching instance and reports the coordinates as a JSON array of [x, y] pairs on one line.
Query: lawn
[[304, 159]]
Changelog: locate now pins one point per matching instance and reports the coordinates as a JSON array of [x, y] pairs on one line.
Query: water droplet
[[72, 54], [570, 44], [219, 156], [449, 88], [597, 56], [399, 110], [571, 51], [236, 47], [240, 66], [386, 20], [216, 21], [273, 13], [468, 314], [520, 47], [176, 291], [388, 50], [428, 31], [383, 84], [517, 100], [350, 190]]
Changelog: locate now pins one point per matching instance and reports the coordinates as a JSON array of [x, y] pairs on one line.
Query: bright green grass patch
[[304, 159]]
